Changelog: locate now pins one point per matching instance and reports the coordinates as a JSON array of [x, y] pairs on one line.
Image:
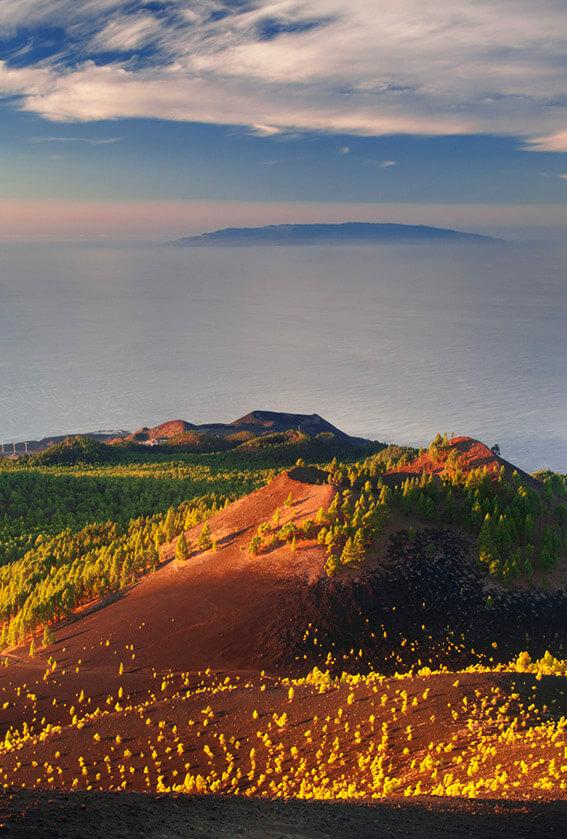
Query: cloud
[[387, 164], [23, 12], [550, 142], [21, 81], [263, 130], [18, 13], [126, 33], [420, 67], [90, 141]]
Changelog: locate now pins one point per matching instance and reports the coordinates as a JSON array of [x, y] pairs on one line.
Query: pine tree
[[332, 565], [169, 525], [182, 551], [48, 637], [358, 544], [204, 542], [548, 556], [529, 528], [348, 553], [385, 495], [153, 557], [486, 540]]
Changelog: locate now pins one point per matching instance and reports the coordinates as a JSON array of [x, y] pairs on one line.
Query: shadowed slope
[[135, 814]]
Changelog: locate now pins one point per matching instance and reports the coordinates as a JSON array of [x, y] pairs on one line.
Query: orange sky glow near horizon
[[56, 220]]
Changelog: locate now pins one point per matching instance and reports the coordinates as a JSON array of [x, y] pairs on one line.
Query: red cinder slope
[[165, 430], [470, 454], [223, 608]]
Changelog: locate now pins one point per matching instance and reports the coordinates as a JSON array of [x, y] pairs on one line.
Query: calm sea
[[392, 342]]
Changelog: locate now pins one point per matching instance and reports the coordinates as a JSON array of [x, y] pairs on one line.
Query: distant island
[[328, 234]]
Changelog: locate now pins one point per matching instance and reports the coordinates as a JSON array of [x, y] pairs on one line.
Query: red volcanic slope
[[108, 721], [223, 608], [165, 430], [472, 454]]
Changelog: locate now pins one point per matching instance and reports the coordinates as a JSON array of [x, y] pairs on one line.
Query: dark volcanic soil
[[93, 815], [427, 598]]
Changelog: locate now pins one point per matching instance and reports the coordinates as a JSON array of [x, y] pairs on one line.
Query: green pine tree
[[205, 542], [349, 553], [48, 637], [182, 551], [332, 565]]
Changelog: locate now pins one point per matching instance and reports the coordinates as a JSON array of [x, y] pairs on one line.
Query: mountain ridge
[[256, 423]]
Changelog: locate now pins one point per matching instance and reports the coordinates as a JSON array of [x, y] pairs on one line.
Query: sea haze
[[394, 342]]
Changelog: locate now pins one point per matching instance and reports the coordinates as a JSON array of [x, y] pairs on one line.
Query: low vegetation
[[77, 528], [477, 733]]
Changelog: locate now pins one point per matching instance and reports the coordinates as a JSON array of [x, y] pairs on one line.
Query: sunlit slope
[[321, 568], [479, 734], [220, 672], [220, 606], [464, 454]]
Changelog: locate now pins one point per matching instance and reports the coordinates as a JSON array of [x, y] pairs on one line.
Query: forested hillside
[[71, 534]]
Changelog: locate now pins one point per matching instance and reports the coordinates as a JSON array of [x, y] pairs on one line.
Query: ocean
[[394, 342]]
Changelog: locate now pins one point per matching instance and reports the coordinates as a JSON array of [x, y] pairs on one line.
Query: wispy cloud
[[126, 33], [377, 164], [15, 13], [90, 141], [420, 67], [549, 142], [263, 130]]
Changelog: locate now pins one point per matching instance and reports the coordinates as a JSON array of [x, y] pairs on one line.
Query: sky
[[137, 118]]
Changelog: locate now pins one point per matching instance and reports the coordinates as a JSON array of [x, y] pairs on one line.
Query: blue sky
[[349, 106]]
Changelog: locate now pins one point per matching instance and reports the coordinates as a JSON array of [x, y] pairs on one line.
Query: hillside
[[251, 588], [72, 450], [462, 454], [9, 449], [226, 596], [331, 634], [186, 437], [339, 548], [349, 232], [247, 734], [275, 421], [163, 431]]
